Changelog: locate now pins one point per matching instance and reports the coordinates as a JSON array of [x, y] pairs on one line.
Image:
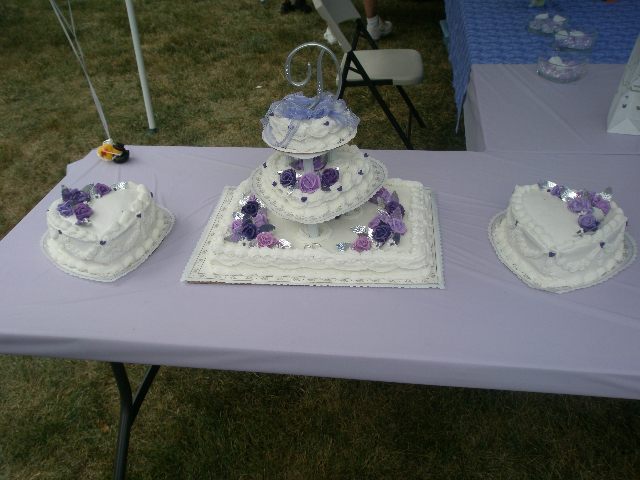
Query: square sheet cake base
[[204, 266]]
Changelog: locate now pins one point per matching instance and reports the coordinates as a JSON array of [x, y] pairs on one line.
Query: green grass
[[205, 61]]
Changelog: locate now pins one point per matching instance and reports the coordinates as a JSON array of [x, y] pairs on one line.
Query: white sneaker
[[379, 30], [328, 36]]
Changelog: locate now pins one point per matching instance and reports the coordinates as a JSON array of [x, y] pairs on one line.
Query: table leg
[[129, 407]]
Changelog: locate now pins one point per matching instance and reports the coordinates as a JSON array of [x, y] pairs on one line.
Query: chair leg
[[412, 109], [392, 119]]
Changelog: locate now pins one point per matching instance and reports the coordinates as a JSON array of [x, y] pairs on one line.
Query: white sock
[[373, 21]]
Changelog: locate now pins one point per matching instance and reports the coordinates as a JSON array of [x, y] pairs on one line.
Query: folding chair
[[372, 68]]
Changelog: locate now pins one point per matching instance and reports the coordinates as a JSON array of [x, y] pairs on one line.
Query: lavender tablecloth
[[494, 32], [510, 108], [487, 329]]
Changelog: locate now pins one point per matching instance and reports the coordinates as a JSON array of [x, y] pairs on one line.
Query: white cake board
[[198, 269], [169, 220], [630, 253]]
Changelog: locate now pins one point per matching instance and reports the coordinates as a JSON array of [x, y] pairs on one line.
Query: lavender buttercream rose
[[555, 191], [329, 177], [602, 204], [588, 222], [392, 206], [309, 182], [397, 226], [288, 178], [101, 189], [382, 233], [579, 204], [317, 164], [251, 208], [236, 227], [65, 209], [266, 239], [78, 196], [362, 244], [249, 231], [82, 212], [260, 220], [377, 219]]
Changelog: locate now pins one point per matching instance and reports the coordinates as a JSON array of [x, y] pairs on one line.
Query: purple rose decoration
[[555, 191], [382, 233], [579, 204], [265, 239], [101, 189], [588, 222], [251, 208], [65, 209], [66, 194], [288, 178], [361, 244], [260, 220], [329, 177], [249, 231], [78, 196], [309, 182], [377, 219], [397, 226], [82, 212], [317, 164], [236, 227], [602, 204], [392, 206]]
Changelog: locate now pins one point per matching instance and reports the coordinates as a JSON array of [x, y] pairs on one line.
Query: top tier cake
[[301, 125]]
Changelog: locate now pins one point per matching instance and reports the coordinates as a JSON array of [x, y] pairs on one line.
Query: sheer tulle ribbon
[[296, 108]]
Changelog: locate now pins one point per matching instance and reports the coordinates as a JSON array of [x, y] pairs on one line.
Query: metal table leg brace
[[129, 407]]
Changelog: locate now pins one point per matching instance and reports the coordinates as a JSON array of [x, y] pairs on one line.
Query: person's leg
[[376, 26]]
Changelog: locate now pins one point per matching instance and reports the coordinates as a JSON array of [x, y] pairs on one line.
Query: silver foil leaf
[[284, 243], [546, 185], [238, 215], [607, 194], [567, 194], [359, 229], [313, 245], [119, 186], [342, 246], [382, 212], [290, 189], [395, 197], [381, 204]]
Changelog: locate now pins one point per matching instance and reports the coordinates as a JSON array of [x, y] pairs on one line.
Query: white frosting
[[125, 226], [539, 236], [313, 135], [360, 177], [413, 260]]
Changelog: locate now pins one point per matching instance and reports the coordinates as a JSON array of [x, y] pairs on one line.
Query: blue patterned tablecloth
[[494, 31]]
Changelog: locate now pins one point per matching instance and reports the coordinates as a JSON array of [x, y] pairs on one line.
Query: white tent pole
[[143, 74]]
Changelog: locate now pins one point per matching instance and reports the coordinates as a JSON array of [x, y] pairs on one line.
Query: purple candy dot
[[151, 194], [60, 232], [264, 164], [360, 173], [139, 215], [102, 242], [304, 199], [366, 155], [326, 124], [340, 188], [601, 244], [551, 254], [275, 184]]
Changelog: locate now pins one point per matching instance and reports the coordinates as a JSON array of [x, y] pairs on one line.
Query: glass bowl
[[579, 40], [546, 23], [562, 67]]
